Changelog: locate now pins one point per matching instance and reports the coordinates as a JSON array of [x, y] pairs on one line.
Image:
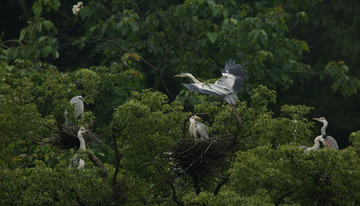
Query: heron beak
[[178, 75], [196, 117], [317, 119], [327, 144]]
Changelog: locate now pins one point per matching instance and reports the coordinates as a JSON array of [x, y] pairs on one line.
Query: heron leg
[[236, 113]]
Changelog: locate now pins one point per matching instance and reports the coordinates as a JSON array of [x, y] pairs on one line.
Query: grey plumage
[[226, 87], [196, 129], [316, 146], [76, 161], [78, 104], [328, 139]]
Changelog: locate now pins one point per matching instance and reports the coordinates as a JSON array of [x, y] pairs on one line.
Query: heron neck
[[82, 142], [323, 129], [316, 146], [193, 78]]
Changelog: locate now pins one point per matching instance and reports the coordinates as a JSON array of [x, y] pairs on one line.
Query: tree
[[121, 56]]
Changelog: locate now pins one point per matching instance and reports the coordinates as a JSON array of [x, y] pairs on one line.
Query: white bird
[[226, 87], [76, 161], [316, 146], [328, 139], [78, 104], [196, 129]]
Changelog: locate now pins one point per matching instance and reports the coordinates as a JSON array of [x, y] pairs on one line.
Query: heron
[[328, 139], [78, 104], [76, 161], [226, 87], [196, 129], [316, 146]]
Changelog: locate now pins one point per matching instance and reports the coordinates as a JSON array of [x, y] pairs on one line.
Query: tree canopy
[[300, 62]]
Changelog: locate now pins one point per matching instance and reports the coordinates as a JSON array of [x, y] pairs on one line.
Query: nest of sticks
[[66, 137], [203, 158]]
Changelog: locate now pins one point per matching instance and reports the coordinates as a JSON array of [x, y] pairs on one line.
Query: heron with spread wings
[[226, 87]]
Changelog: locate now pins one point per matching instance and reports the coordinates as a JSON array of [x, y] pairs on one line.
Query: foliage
[[121, 56]]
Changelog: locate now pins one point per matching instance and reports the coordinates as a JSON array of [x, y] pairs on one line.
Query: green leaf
[[212, 36]]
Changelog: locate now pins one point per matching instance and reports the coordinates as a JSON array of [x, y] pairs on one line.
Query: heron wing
[[233, 76], [212, 89], [202, 130], [332, 142], [78, 106]]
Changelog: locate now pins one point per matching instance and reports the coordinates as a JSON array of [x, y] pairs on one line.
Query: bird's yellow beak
[[178, 75], [317, 119], [327, 144], [196, 117]]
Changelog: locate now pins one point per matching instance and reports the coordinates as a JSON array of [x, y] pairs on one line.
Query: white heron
[[316, 146], [328, 139], [78, 104], [76, 161], [196, 129], [226, 87]]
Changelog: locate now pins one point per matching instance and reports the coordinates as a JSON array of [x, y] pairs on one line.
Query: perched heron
[[196, 129], [78, 104], [328, 139], [316, 146], [226, 87], [76, 161]]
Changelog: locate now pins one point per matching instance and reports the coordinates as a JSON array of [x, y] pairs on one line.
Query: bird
[[316, 146], [196, 129], [328, 139], [78, 104], [76, 161], [226, 87]]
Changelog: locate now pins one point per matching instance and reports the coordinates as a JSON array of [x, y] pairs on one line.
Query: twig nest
[[66, 137], [202, 157]]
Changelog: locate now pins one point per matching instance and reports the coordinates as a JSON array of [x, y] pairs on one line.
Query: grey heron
[[226, 87], [316, 146], [76, 161], [328, 139], [196, 129], [78, 104]]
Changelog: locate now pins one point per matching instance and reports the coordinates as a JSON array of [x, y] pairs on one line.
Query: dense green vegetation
[[300, 60]]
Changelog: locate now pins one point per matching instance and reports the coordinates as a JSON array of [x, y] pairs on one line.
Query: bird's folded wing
[[332, 142], [213, 89], [202, 129]]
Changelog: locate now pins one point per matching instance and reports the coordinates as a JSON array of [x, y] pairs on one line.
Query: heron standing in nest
[[76, 161], [196, 129]]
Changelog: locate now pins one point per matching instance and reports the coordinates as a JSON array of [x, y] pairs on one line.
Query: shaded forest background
[[301, 60]]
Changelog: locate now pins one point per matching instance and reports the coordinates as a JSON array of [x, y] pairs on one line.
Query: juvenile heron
[[78, 104], [226, 87], [196, 129], [328, 139], [316, 146], [76, 161]]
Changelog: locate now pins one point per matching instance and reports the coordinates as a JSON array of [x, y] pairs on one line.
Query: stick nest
[[66, 137], [202, 158]]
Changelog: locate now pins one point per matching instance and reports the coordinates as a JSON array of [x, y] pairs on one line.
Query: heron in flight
[[78, 104], [328, 139], [76, 161], [196, 129], [316, 146], [226, 87]]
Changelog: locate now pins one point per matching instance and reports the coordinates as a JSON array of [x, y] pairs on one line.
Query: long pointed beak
[[327, 144], [178, 75], [317, 119], [196, 117]]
